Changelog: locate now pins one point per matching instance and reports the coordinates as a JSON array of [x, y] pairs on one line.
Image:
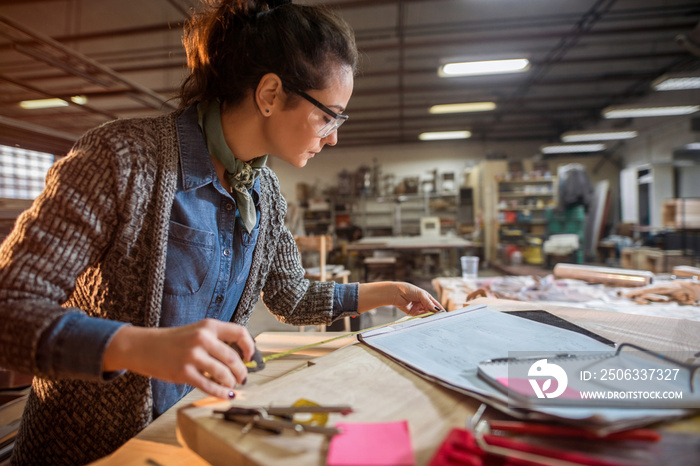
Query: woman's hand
[[197, 354], [414, 301], [408, 298]]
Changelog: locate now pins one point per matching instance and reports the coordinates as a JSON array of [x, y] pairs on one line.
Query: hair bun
[[275, 3]]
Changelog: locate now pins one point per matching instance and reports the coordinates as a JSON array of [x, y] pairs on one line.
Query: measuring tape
[[258, 361]]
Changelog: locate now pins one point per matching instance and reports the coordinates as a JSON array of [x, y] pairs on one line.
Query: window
[[22, 172]]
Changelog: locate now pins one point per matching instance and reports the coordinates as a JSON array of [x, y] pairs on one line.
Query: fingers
[[435, 303], [219, 349], [217, 367], [207, 385], [226, 359], [416, 301], [428, 302], [233, 333]]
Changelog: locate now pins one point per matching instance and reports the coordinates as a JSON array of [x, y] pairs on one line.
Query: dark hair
[[232, 44]]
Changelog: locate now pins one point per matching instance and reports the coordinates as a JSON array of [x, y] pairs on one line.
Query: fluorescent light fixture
[[474, 68], [692, 146], [582, 136], [79, 99], [442, 135], [677, 82], [51, 103], [636, 112], [571, 148], [42, 103], [463, 108]]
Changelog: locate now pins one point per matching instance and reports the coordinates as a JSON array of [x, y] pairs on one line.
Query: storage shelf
[[525, 222], [396, 198], [524, 194], [530, 180], [523, 207], [401, 214]]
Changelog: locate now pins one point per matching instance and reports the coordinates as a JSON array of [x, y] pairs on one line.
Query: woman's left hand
[[413, 300]]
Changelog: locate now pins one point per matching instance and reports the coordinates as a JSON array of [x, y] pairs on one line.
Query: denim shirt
[[208, 261], [209, 250]]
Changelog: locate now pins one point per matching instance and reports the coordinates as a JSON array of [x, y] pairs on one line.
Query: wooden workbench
[[158, 443], [380, 390]]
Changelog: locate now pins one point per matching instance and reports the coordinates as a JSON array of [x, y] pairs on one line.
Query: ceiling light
[[79, 99], [571, 148], [42, 103], [581, 136], [472, 68], [676, 82], [52, 103], [634, 112], [442, 135], [463, 108]]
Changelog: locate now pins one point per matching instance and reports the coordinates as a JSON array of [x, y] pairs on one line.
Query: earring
[[267, 110]]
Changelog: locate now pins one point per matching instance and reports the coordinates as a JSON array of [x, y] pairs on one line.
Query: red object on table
[[460, 448], [642, 435]]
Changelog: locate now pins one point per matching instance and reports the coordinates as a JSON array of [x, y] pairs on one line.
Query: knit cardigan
[[95, 242]]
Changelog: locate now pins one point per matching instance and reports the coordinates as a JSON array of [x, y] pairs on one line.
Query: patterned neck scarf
[[240, 174]]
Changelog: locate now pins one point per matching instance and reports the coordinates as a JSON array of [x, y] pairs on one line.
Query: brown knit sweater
[[95, 241]]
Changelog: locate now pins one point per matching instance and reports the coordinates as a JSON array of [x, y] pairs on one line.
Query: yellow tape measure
[[254, 365]]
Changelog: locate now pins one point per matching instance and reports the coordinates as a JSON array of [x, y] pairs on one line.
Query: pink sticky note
[[385, 443]]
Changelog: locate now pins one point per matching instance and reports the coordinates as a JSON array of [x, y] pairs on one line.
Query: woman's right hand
[[197, 354]]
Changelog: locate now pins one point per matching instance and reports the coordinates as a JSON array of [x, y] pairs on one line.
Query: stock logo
[[541, 369]]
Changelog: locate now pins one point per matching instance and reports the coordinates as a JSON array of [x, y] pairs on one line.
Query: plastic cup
[[470, 267]]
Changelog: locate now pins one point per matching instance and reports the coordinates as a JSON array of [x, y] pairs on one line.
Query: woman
[[124, 284]]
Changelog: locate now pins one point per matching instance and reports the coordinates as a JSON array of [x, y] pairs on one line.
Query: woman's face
[[296, 138]]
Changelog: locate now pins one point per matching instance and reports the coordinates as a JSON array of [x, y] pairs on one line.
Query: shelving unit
[[317, 217], [396, 215], [522, 206]]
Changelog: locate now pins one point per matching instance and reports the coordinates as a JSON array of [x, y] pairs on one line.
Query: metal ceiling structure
[[126, 58]]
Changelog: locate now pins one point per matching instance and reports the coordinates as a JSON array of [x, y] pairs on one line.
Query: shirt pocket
[[189, 259]]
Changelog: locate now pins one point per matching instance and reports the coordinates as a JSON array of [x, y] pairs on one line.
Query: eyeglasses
[[691, 368], [319, 116]]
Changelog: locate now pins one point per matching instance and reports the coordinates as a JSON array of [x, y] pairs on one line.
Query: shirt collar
[[195, 163]]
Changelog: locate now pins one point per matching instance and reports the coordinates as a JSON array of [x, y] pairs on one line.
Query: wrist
[[377, 294], [118, 353]]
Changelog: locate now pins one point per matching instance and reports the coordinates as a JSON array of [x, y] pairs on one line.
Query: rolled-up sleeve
[[345, 298], [75, 344]]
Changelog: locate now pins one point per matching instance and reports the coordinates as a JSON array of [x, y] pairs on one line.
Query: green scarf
[[240, 174]]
